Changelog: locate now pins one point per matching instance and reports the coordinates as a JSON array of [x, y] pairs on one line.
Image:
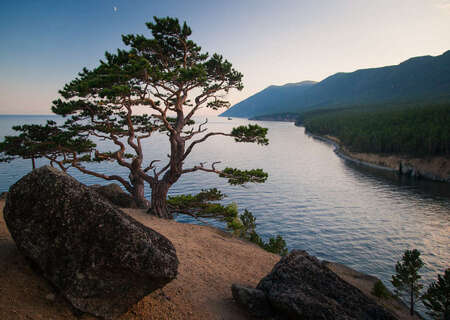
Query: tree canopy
[[407, 276], [170, 76], [437, 297], [413, 130]]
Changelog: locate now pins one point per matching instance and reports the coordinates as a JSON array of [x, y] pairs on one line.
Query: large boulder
[[302, 287], [95, 255], [254, 300], [114, 194]]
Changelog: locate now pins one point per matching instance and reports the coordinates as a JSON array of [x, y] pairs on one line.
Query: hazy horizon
[[46, 44]]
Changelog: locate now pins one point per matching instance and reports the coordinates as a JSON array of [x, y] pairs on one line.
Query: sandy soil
[[210, 261]]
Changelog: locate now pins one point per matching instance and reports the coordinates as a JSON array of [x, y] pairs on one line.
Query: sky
[[44, 44]]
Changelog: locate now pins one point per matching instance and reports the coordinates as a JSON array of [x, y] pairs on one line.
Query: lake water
[[319, 203]]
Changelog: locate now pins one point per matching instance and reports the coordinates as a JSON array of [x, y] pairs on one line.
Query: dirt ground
[[210, 262]]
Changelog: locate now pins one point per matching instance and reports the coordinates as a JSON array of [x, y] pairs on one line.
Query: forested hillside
[[420, 130], [422, 79]]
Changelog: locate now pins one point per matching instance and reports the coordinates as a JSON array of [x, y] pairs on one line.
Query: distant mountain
[[273, 99], [419, 79]]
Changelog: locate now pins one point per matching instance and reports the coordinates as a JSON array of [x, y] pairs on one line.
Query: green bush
[[244, 227], [379, 290], [276, 245]]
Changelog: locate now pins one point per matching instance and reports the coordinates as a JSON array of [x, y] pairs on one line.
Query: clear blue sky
[[45, 43]]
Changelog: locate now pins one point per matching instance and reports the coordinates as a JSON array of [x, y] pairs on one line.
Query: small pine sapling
[[406, 279]]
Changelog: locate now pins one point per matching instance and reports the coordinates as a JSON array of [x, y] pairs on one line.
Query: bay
[[337, 211]]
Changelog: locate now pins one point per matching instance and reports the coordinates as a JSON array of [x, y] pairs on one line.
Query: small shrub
[[235, 225], [248, 222], [379, 290], [255, 238], [276, 245], [244, 227]]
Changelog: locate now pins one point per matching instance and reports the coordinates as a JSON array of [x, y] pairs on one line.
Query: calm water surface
[[315, 200]]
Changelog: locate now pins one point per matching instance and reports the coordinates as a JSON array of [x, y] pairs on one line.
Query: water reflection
[[317, 201]]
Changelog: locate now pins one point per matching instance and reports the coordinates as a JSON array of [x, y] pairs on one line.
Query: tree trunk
[[411, 310], [139, 197], [138, 191], [159, 201], [33, 163]]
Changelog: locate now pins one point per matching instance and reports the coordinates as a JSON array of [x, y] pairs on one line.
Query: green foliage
[[379, 290], [49, 140], [244, 227], [165, 64], [238, 177], [188, 200], [167, 74], [437, 297], [406, 279], [421, 130], [407, 272], [199, 205], [256, 239], [235, 225], [276, 245], [248, 222], [210, 195], [250, 133]]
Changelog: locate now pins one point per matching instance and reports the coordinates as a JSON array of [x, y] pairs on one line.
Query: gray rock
[[408, 170], [253, 300], [302, 287], [100, 259], [114, 193]]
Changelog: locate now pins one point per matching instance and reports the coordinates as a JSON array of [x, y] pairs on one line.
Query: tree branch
[[125, 183], [205, 137], [192, 133], [167, 166], [235, 176], [131, 134], [150, 166]]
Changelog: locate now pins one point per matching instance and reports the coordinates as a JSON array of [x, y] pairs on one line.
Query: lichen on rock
[[100, 259]]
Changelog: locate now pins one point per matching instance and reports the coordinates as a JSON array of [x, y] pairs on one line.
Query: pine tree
[[406, 279], [170, 77], [437, 297]]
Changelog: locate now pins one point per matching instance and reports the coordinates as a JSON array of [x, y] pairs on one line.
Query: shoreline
[[412, 167], [340, 153]]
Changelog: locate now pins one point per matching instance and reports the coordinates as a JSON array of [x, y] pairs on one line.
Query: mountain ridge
[[424, 78]]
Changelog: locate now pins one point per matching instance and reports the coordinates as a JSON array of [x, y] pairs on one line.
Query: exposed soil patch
[[210, 262]]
